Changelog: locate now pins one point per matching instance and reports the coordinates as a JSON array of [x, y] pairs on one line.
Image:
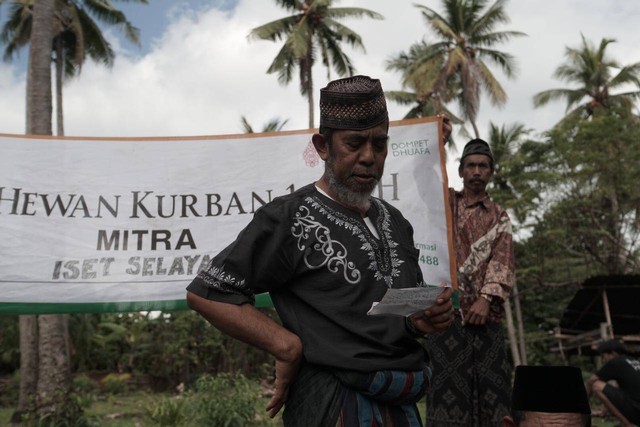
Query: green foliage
[[123, 410], [226, 400], [511, 186], [274, 125], [312, 31], [454, 67], [76, 29], [9, 344], [64, 411], [84, 390], [10, 390], [581, 214], [229, 400], [168, 411], [171, 347], [597, 76], [115, 383], [595, 199]]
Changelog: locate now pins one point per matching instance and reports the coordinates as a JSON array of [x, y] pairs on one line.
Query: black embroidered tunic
[[323, 269]]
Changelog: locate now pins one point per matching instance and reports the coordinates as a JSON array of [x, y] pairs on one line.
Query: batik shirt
[[484, 252], [323, 269]]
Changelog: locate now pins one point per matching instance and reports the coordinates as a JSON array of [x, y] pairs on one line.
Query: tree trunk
[[54, 370], [306, 81], [39, 105], [311, 101], [28, 367], [38, 122], [521, 337], [511, 330], [59, 78]]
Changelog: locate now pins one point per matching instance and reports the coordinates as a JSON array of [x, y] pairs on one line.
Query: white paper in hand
[[406, 301]]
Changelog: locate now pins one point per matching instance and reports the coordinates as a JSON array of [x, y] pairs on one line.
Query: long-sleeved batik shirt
[[484, 252]]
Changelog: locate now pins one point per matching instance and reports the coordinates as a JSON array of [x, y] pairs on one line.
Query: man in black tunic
[[325, 253]]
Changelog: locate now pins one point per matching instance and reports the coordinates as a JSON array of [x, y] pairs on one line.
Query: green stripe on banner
[[9, 308]]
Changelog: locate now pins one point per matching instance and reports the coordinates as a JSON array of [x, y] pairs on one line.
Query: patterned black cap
[[354, 103], [477, 146], [550, 389]]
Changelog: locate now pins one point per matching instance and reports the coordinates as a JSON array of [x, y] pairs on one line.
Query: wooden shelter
[[605, 307]]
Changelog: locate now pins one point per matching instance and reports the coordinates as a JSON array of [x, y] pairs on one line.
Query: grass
[[123, 409], [128, 410]]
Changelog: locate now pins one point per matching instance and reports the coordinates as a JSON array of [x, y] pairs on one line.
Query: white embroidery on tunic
[[333, 253], [382, 253], [224, 282]]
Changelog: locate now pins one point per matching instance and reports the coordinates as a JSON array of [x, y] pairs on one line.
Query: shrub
[[224, 400], [83, 384], [167, 412], [10, 390], [115, 383]]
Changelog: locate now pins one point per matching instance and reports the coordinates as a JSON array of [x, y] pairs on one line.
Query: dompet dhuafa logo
[[419, 147]]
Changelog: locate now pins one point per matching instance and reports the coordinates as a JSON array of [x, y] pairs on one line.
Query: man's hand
[[286, 372], [436, 318], [446, 127], [249, 325], [477, 314]]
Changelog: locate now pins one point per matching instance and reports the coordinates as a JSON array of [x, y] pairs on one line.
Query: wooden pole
[[607, 312], [511, 330], [520, 322]]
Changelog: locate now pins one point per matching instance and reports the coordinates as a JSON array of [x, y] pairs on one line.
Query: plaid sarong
[[327, 398]]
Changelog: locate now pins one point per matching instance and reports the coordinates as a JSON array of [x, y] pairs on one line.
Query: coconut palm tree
[[596, 75], [454, 67], [419, 71], [312, 30], [53, 380], [273, 125], [60, 27], [76, 36], [509, 183]]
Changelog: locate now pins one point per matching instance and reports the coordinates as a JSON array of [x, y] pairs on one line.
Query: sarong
[[471, 383], [328, 398]]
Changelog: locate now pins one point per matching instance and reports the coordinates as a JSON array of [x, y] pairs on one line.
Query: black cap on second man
[[477, 146]]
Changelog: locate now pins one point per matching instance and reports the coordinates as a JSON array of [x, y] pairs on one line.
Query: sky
[[196, 73]]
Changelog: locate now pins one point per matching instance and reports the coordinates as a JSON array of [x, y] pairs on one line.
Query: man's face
[[475, 172], [355, 160]]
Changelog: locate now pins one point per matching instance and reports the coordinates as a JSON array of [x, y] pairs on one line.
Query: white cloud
[[202, 74]]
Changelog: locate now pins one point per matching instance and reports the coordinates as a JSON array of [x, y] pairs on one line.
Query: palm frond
[[506, 61], [274, 30], [492, 86]]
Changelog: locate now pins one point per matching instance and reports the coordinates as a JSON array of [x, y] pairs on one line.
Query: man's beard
[[359, 199]]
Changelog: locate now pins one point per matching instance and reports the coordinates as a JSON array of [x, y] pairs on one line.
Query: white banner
[[97, 224]]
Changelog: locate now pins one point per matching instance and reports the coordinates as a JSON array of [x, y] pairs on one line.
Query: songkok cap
[[549, 389], [611, 346], [354, 103], [476, 146]]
